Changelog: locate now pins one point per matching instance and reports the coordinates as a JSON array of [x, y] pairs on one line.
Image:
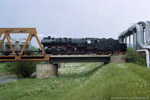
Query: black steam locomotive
[[82, 46]]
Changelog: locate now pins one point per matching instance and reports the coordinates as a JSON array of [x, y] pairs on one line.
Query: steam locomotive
[[82, 46]]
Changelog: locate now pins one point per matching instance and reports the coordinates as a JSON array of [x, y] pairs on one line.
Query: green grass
[[53, 88], [86, 81], [124, 80]]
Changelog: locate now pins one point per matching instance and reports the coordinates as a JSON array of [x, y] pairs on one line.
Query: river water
[[7, 78]]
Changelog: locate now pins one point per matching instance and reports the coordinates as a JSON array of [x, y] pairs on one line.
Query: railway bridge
[[52, 61], [137, 35], [61, 59]]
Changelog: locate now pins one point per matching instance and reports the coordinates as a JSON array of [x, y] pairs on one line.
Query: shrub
[[22, 69], [133, 57]]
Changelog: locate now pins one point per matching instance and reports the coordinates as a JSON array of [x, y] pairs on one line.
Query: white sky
[[74, 18]]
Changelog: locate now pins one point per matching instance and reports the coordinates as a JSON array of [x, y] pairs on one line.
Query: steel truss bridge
[[20, 57]]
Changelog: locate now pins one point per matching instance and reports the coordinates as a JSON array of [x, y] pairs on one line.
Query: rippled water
[[7, 78]]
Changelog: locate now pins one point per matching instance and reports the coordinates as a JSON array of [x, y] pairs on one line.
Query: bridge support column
[[62, 65], [117, 58], [46, 70]]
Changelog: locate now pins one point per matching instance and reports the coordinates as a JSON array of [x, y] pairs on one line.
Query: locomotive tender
[[82, 46]]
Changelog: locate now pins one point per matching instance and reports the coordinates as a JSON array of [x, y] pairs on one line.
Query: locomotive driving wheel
[[70, 50]]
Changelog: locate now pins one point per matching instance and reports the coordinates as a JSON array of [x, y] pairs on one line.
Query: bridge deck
[[13, 58], [58, 58], [79, 58]]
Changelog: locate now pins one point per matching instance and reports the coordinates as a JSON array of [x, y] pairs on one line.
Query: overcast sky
[[74, 18]]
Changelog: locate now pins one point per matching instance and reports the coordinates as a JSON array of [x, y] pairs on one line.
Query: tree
[[22, 69]]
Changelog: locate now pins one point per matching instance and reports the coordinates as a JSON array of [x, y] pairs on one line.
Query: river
[[7, 78]]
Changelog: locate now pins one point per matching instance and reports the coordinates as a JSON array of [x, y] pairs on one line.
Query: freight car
[[82, 46], [17, 46]]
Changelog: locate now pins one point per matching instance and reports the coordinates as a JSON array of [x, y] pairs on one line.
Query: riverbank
[[3, 69], [5, 75], [88, 81]]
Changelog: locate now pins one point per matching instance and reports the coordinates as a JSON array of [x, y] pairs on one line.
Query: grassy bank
[[53, 89], [83, 82], [124, 80]]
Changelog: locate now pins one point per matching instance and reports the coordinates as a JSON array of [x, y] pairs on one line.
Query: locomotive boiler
[[82, 46]]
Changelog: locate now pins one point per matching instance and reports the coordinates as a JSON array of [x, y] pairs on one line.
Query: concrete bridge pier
[[46, 70], [117, 58]]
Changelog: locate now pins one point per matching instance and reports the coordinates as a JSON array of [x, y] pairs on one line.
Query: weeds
[[90, 81]]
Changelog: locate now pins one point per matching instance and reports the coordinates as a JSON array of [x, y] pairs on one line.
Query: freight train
[[82, 46], [17, 46]]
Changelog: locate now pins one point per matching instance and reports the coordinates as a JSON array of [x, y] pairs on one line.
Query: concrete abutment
[[117, 58]]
